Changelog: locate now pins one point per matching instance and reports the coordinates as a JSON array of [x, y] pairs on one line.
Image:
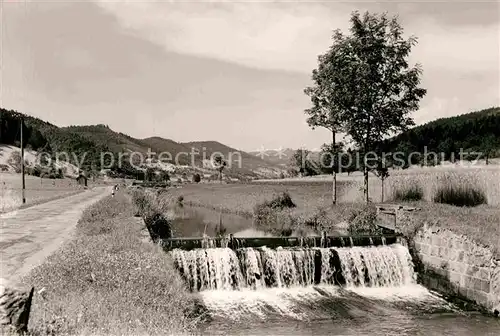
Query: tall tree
[[370, 85], [219, 164], [323, 112]]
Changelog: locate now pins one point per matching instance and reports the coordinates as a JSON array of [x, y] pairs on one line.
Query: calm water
[[194, 221], [397, 308], [403, 311]]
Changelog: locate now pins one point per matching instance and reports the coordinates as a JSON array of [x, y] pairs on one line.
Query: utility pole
[[22, 161]]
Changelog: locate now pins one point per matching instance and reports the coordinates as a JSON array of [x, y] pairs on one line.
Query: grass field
[[109, 281], [37, 190]]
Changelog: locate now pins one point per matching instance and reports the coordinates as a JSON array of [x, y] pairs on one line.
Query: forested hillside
[[472, 132], [86, 145]]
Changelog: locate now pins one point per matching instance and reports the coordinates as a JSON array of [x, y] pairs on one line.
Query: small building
[[81, 180]]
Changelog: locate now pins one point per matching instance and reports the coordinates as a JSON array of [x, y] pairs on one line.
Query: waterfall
[[258, 268]]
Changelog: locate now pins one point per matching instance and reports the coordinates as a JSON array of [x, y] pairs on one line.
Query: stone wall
[[454, 265]]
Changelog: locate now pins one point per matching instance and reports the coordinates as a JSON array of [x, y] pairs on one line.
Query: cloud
[[289, 36], [261, 35]]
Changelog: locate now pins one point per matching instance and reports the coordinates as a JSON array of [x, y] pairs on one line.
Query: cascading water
[[256, 268], [302, 284]]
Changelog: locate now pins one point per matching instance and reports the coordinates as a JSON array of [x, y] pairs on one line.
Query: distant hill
[[161, 145], [238, 160], [280, 157], [472, 132], [88, 143]]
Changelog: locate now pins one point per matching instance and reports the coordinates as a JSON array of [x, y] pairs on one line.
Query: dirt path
[[29, 235]]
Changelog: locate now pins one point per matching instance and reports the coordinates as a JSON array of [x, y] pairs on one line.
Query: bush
[[363, 220], [152, 207], [273, 216], [158, 226], [281, 201], [319, 221], [196, 178], [180, 200], [408, 192], [460, 195]]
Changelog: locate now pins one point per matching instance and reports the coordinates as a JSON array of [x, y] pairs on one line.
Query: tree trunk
[[367, 198], [382, 201], [365, 174], [334, 186]]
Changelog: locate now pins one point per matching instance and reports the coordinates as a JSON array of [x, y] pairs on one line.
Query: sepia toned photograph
[[249, 167]]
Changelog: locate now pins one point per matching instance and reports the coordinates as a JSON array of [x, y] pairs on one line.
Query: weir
[[254, 268], [274, 242]]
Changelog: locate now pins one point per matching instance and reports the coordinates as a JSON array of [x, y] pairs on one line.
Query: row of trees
[[364, 86]]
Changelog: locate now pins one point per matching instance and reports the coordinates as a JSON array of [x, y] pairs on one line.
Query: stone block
[[467, 281], [433, 250], [462, 291], [477, 284], [480, 297], [454, 277], [15, 306], [472, 271], [460, 255], [485, 286], [457, 267]]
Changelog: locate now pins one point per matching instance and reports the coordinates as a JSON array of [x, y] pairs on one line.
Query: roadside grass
[[108, 281]]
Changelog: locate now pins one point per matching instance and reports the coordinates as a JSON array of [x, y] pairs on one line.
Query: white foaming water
[[295, 282], [223, 268], [384, 266]]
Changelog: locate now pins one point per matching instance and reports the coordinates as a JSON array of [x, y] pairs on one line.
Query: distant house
[[81, 180]]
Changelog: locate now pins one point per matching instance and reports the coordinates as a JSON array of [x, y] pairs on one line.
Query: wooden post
[[396, 218], [22, 162], [334, 186]]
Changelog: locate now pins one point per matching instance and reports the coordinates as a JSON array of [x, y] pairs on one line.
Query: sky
[[233, 72]]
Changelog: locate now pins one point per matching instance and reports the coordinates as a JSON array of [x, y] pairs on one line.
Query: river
[[273, 292]]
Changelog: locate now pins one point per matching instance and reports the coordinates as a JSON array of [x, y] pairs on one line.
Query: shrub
[[196, 178], [152, 209], [272, 215], [281, 201], [408, 192], [319, 221], [180, 200], [158, 226], [220, 230], [363, 220], [460, 195]]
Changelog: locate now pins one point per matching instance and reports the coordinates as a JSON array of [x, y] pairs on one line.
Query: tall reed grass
[[468, 182]]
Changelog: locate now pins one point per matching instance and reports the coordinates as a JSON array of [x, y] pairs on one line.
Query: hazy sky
[[231, 72]]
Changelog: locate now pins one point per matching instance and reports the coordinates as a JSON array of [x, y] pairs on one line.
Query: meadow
[[313, 197], [38, 190]]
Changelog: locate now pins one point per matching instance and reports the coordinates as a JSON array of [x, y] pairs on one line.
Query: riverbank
[[480, 223], [108, 280]]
